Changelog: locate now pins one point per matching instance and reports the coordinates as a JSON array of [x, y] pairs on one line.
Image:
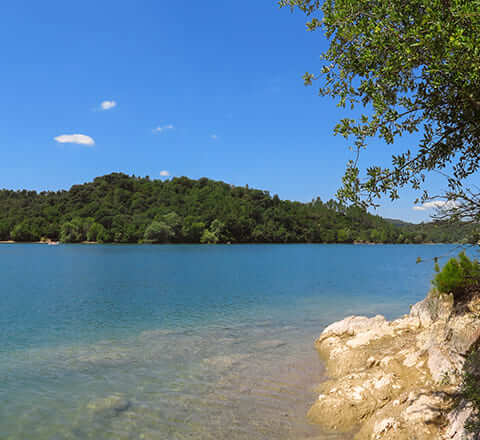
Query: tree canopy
[[413, 65], [127, 209]]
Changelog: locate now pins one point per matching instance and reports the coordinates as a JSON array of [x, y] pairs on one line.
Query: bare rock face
[[395, 380], [456, 422]]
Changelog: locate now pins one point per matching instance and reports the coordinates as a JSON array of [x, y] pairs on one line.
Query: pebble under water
[[176, 342]]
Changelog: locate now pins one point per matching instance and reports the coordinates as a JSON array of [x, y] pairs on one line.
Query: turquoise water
[[175, 342]]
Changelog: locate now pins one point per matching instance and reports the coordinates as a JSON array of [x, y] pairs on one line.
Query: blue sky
[[193, 88]]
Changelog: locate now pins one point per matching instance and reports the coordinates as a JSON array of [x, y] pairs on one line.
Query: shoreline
[[231, 244], [240, 331], [390, 380]]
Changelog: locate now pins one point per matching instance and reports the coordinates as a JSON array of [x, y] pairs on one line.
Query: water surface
[[175, 342]]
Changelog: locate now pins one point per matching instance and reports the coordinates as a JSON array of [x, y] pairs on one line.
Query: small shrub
[[461, 277]]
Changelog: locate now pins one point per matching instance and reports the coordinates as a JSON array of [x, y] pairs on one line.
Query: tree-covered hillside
[[128, 209]]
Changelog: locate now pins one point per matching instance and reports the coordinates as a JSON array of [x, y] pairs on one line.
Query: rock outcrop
[[397, 380]]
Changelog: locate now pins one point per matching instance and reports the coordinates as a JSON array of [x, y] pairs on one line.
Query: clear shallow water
[[174, 342]]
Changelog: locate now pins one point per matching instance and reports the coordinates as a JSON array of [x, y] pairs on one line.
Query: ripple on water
[[217, 383], [233, 358]]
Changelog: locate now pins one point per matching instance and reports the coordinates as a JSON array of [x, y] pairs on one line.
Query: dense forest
[[127, 209]]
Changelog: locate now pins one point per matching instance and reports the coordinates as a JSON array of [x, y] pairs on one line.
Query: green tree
[[158, 232], [214, 234], [4, 230], [25, 231], [414, 66], [104, 236], [208, 237], [459, 276], [260, 235], [192, 230], [344, 236], [96, 232], [239, 215], [174, 221], [72, 231], [218, 229]]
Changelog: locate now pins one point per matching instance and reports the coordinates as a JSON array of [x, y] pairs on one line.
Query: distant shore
[[209, 244]]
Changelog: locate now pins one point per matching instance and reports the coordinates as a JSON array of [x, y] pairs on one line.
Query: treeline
[[127, 209]]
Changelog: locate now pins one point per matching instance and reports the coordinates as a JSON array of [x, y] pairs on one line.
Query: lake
[[175, 342]]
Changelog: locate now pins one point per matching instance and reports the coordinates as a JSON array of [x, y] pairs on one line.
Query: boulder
[[395, 380]]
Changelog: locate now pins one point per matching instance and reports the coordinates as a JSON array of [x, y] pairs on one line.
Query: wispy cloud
[[107, 105], [80, 139], [165, 173], [214, 137], [162, 128], [436, 204]]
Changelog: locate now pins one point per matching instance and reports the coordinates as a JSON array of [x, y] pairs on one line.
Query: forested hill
[[128, 209]]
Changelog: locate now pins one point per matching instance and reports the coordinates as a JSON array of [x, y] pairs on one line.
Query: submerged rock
[[109, 406], [396, 380], [271, 344], [224, 362]]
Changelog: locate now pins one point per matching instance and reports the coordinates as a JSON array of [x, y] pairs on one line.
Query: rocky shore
[[398, 380]]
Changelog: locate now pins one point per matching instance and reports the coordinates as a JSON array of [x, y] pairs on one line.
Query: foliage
[[128, 209], [71, 231], [459, 276], [218, 231], [158, 232], [192, 229], [208, 237], [4, 231], [413, 65], [97, 232], [174, 222], [25, 231]]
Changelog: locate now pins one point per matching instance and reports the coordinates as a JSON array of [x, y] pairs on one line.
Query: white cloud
[[214, 137], [436, 204], [163, 128], [164, 173], [80, 139], [107, 105]]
